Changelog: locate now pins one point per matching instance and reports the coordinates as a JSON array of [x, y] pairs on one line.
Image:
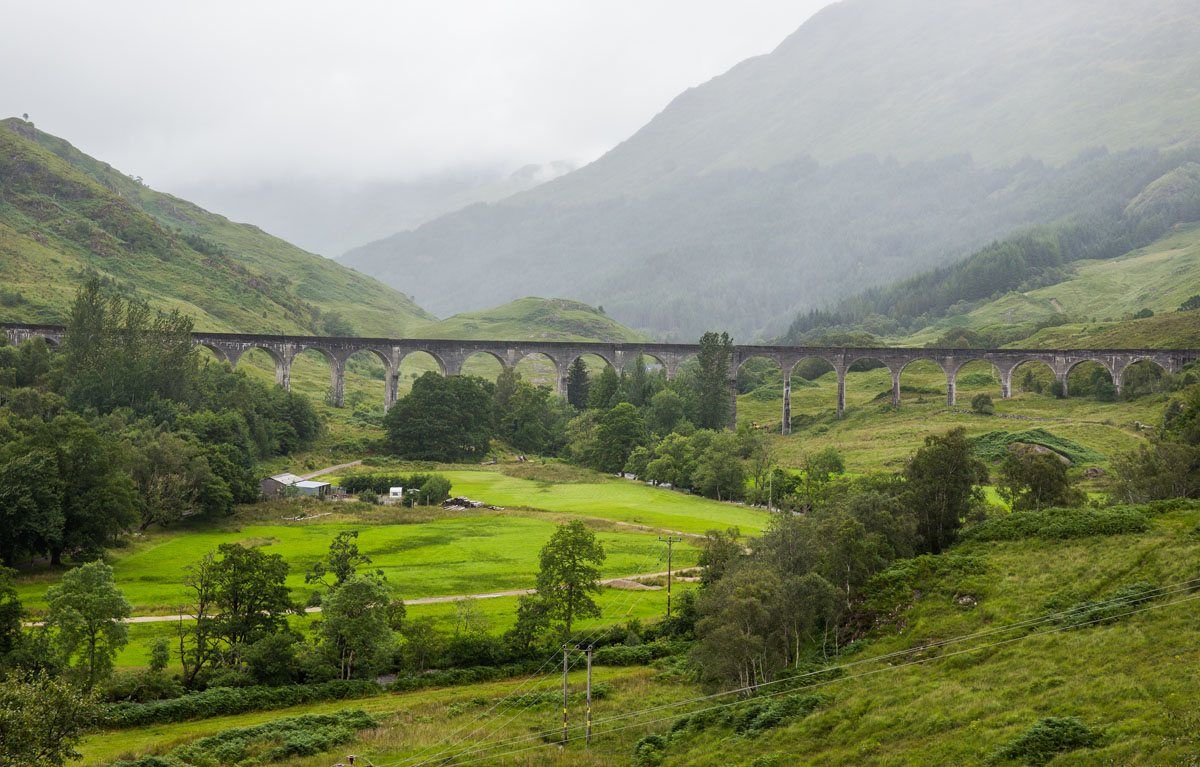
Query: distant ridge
[[878, 140]]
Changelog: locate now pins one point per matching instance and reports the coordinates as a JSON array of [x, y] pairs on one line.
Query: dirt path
[[407, 602], [330, 470]]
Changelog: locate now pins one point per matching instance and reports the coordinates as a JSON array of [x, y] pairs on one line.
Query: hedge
[[1059, 524], [219, 701]]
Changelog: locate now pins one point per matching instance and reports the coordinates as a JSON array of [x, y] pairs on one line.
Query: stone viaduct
[[450, 356]]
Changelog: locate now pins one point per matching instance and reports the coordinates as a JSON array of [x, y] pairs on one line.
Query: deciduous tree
[[569, 574]]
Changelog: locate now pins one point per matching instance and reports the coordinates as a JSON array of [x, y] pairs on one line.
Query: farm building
[[276, 486], [282, 485]]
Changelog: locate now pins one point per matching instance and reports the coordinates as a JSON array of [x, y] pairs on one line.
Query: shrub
[[456, 676], [982, 404], [650, 751], [265, 743], [1060, 524], [1049, 737], [219, 701], [1190, 304], [636, 655], [993, 446]]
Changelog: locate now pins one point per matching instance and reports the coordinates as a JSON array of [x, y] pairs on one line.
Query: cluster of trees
[[124, 428], [455, 418], [1168, 466], [766, 607], [603, 420], [419, 489]]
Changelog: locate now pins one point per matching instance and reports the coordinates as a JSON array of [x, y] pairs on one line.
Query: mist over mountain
[[331, 215], [878, 140]]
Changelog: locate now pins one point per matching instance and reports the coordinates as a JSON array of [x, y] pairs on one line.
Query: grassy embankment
[[1131, 679]]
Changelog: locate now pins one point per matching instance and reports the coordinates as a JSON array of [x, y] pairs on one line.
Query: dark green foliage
[[459, 676], [222, 701], [941, 483], [713, 381], [1143, 314], [636, 655], [342, 561], [994, 445], [1048, 738], [239, 597], [982, 404], [650, 750], [578, 385], [1191, 304], [265, 743], [568, 574], [1060, 524], [1113, 607], [1164, 468], [11, 614], [1030, 479], [117, 354], [443, 418], [419, 489], [530, 418], [618, 432], [42, 719], [605, 392], [752, 717]]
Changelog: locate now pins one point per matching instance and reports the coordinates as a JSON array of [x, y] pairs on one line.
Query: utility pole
[[565, 667], [587, 738], [670, 541]]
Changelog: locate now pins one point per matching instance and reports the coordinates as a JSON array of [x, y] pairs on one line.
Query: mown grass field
[[444, 556], [1133, 679]]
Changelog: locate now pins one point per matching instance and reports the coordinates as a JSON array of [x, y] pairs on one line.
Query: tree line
[[124, 428]]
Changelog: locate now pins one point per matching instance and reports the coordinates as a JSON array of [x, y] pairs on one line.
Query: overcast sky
[[186, 93]]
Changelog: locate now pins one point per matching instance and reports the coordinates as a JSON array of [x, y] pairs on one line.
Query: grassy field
[[874, 436], [1132, 679], [424, 558]]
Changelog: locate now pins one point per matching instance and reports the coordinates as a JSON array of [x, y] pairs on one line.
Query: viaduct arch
[[450, 355]]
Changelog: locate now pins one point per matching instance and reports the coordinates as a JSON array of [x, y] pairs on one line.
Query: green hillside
[[535, 319], [1098, 300], [65, 216]]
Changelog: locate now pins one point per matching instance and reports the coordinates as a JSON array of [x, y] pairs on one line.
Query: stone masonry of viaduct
[[450, 356]]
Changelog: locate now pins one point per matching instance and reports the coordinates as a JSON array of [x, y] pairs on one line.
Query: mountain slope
[[879, 140], [65, 216]]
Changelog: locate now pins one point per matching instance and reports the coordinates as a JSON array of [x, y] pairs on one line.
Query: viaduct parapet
[[450, 356]]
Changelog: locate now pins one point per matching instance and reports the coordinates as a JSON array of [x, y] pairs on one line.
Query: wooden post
[[587, 738], [565, 667]]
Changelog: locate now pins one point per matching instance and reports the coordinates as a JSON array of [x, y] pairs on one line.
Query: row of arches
[[814, 384], [367, 368]]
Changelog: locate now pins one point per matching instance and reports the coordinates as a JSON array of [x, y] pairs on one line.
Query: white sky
[[189, 93]]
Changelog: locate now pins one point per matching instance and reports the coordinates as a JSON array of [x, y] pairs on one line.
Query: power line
[[873, 672], [423, 756], [1151, 593]]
